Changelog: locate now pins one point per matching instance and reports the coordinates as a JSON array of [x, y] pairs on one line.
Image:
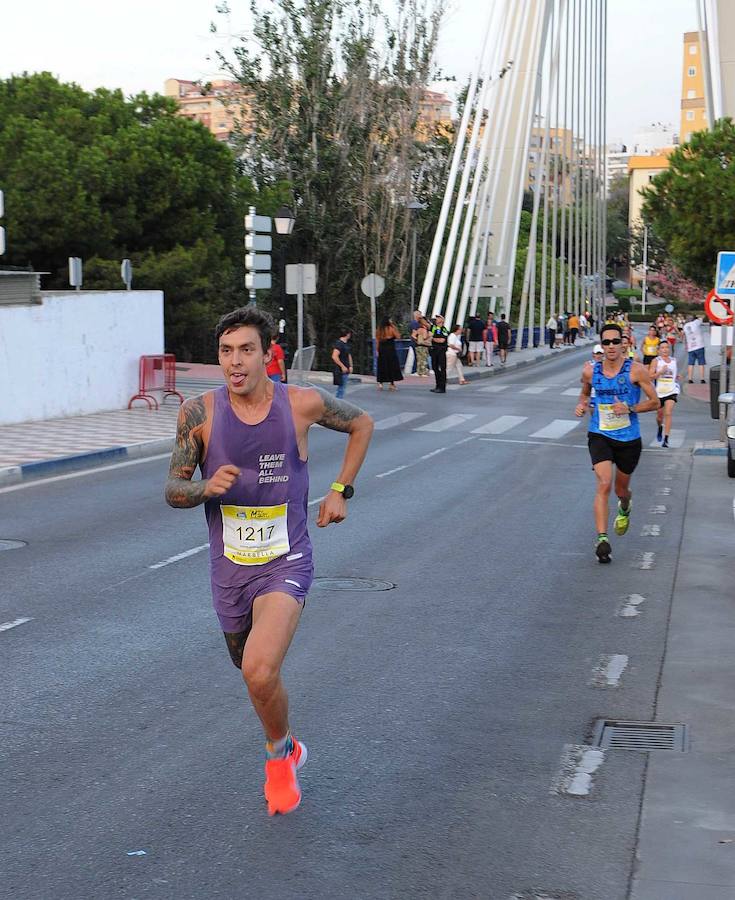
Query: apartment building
[[693, 104], [221, 106]]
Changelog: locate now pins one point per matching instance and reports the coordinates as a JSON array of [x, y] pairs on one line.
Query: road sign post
[[718, 307], [300, 280], [372, 286], [75, 272], [126, 273], [257, 264]]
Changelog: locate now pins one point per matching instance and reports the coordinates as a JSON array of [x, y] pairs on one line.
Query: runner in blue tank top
[[614, 437], [249, 439]]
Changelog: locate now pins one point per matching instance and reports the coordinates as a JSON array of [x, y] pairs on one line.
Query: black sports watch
[[346, 490]]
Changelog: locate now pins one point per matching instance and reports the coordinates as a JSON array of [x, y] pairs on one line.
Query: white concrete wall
[[75, 353]]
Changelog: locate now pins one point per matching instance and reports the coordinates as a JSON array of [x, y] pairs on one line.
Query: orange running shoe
[[282, 789]]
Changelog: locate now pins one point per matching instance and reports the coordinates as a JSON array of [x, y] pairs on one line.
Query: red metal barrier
[[156, 373]]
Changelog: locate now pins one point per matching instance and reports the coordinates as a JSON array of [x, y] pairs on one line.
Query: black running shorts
[[674, 397], [624, 455]]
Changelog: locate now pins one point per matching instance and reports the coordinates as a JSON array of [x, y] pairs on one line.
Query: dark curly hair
[[250, 316]]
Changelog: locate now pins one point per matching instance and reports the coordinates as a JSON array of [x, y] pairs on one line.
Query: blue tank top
[[608, 391], [263, 517]]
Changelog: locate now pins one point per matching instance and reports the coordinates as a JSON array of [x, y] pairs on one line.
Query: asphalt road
[[436, 713]]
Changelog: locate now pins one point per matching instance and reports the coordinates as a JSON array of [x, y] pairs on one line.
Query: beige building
[[642, 170], [693, 105], [561, 145], [221, 106]]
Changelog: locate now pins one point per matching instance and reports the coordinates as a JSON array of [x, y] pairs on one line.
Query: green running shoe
[[622, 520], [603, 548]]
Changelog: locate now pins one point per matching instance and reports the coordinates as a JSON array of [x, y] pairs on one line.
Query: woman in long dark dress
[[389, 369]]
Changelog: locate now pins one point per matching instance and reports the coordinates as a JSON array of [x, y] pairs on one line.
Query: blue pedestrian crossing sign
[[725, 278]]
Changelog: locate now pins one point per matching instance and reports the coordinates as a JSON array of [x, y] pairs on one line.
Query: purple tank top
[[272, 473]]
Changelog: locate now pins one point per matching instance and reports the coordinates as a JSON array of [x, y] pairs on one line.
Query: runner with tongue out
[[249, 439]]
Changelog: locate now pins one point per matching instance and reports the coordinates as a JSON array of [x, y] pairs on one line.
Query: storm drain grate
[[611, 734], [353, 584]]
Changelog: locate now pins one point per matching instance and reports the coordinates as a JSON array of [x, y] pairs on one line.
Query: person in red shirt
[[276, 368]]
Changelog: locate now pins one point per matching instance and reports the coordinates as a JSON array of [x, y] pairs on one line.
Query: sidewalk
[[38, 449], [686, 846]]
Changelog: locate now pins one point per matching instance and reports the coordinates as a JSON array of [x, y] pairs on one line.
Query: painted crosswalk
[[447, 422], [535, 389], [398, 419], [556, 429], [500, 425], [676, 439]]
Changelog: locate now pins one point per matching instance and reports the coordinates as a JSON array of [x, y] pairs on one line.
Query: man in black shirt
[[342, 361], [475, 328], [503, 338], [439, 335]]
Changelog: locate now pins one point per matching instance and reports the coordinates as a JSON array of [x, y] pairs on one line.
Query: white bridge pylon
[[534, 119]]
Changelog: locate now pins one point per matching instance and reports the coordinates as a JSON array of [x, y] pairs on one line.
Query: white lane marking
[[6, 626], [398, 419], [646, 560], [578, 764], [658, 510], [663, 492], [629, 607], [556, 429], [447, 422], [392, 471], [499, 425], [651, 531], [608, 671], [184, 555], [571, 392], [535, 443], [425, 456], [316, 500], [494, 389], [669, 467], [534, 389], [122, 465]]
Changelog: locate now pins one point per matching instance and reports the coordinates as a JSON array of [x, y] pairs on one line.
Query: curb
[[36, 471]]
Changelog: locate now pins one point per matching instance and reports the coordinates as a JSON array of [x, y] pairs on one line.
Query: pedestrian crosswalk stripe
[[494, 388], [500, 425], [571, 392], [447, 422], [556, 429], [676, 439], [535, 389], [398, 419]]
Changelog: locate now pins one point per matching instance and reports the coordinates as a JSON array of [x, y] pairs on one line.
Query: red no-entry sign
[[718, 310]]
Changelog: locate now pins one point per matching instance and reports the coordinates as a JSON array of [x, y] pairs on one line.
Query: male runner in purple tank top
[[249, 439]]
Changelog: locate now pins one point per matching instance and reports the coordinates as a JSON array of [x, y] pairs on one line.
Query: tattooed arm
[[181, 491], [322, 408]]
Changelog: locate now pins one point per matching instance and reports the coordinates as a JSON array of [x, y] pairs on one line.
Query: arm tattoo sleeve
[[338, 414], [181, 491]]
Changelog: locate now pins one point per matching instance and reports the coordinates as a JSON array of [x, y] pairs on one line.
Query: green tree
[[103, 177], [691, 205], [336, 88], [618, 236]]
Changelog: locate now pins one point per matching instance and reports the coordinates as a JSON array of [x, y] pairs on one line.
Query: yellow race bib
[[253, 535]]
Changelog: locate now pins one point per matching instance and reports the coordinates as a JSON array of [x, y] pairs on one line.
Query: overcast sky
[[136, 45]]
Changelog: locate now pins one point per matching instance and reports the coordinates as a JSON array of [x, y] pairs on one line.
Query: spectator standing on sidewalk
[[439, 337], [490, 337], [475, 330], [276, 368], [454, 352], [421, 337], [389, 369], [573, 326], [503, 339], [551, 329], [342, 361], [694, 340]]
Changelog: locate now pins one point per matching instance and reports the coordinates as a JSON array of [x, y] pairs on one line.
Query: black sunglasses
[[607, 341]]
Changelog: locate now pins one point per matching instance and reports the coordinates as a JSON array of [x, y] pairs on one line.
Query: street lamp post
[[284, 221]]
